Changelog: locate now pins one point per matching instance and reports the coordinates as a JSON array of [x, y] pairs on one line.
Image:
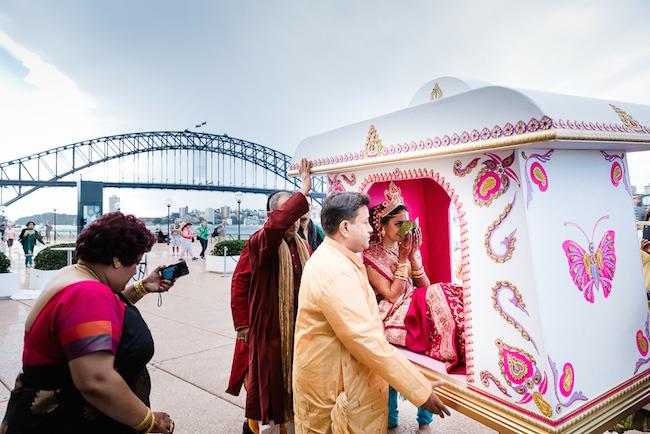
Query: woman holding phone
[[87, 346]]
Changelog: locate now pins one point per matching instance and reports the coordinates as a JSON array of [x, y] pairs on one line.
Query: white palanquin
[[557, 334]]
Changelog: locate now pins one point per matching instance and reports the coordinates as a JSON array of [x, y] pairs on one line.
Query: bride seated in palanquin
[[421, 316]]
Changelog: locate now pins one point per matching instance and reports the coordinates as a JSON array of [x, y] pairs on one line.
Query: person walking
[[203, 236], [265, 295], [175, 238], [28, 238], [10, 236], [187, 238], [48, 231], [220, 232]]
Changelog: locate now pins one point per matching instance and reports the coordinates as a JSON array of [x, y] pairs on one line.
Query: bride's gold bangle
[[418, 272]]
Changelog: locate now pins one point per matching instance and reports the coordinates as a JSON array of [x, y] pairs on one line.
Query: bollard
[[225, 258]]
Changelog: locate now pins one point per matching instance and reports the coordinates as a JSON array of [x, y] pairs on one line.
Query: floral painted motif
[[520, 372], [641, 340], [494, 178], [517, 301], [508, 241], [618, 170], [535, 173], [593, 269], [564, 382], [335, 182], [507, 130], [461, 171]]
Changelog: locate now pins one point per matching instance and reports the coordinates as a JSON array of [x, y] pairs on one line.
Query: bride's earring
[[382, 233]]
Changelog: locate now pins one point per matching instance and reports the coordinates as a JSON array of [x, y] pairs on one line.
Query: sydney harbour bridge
[[175, 160]]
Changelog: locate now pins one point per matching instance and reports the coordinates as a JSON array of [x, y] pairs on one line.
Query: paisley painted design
[[538, 176], [461, 171], [641, 340], [516, 367], [535, 173], [517, 301], [564, 382], [493, 179], [335, 182], [641, 343], [521, 373], [567, 380], [508, 241], [616, 173], [618, 170]]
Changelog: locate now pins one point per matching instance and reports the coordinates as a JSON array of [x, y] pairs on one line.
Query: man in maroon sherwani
[[255, 291]]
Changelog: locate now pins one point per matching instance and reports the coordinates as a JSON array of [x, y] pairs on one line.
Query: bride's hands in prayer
[[406, 247], [417, 243]]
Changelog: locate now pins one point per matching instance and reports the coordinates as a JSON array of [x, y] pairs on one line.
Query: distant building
[[113, 203], [646, 189], [225, 212], [183, 212], [209, 215], [634, 189]]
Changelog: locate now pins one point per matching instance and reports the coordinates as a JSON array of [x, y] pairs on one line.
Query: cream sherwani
[[342, 362]]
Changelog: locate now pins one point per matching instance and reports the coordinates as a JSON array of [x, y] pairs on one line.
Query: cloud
[[46, 108]]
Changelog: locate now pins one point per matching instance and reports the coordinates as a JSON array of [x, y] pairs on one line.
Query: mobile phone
[[174, 271]]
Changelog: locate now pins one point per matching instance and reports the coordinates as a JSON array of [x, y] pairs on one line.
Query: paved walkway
[[194, 342]]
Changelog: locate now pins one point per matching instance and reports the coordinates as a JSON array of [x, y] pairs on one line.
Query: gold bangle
[[153, 423], [145, 422], [402, 267], [140, 289], [402, 276]]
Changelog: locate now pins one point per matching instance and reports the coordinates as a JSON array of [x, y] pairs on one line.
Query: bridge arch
[[51, 167]]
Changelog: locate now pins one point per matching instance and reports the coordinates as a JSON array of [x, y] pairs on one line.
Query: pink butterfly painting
[[594, 269]]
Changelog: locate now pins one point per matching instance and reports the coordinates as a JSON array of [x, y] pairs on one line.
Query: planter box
[[38, 278], [9, 284], [221, 264]]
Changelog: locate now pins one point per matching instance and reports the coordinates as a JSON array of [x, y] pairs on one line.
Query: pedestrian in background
[[10, 236], [28, 238], [187, 238], [203, 236]]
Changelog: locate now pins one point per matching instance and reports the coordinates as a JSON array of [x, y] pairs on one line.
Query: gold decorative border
[[493, 413], [500, 143]]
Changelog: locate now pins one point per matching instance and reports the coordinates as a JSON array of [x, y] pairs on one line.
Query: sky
[[277, 72]]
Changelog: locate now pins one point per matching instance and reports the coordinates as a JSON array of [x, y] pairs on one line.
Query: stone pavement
[[194, 341]]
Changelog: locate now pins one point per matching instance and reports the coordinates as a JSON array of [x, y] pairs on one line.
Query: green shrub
[[5, 263], [234, 247], [48, 259]]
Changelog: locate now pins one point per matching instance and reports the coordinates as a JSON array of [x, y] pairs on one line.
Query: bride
[[423, 317]]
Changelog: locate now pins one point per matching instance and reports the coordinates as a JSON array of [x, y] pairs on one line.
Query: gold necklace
[[86, 269], [394, 251]]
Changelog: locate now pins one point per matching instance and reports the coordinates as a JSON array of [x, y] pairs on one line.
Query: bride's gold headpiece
[[392, 199]]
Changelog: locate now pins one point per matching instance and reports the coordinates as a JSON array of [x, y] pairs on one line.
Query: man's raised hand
[[305, 176]]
